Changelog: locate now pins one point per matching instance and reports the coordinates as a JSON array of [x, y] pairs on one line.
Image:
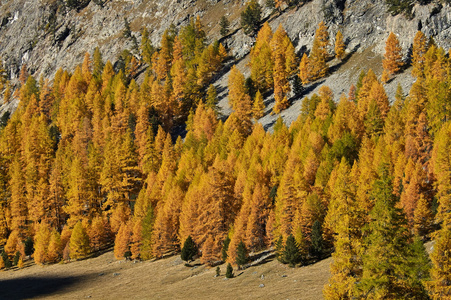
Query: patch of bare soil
[[105, 278]]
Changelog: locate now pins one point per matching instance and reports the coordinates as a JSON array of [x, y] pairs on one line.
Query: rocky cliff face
[[46, 35]]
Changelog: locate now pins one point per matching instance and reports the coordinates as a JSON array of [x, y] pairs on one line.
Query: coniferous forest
[[91, 160]]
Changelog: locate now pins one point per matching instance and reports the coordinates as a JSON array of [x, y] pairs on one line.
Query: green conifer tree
[[225, 248], [229, 271], [317, 240], [241, 255], [189, 249], [291, 254], [389, 270]]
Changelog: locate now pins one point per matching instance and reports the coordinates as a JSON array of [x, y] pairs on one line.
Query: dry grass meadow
[[103, 277]]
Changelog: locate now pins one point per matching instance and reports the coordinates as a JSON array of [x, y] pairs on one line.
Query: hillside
[[104, 277]]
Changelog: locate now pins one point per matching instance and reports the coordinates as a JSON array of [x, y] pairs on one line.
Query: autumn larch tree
[[305, 72], [279, 45], [392, 61], [42, 239], [240, 102], [319, 54], [209, 251], [146, 233], [136, 239], [79, 242], [97, 62], [439, 287], [162, 59], [55, 249], [261, 62], [419, 49], [122, 242], [344, 218], [339, 45]]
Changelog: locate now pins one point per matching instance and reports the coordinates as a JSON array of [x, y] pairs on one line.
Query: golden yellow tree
[[339, 45], [419, 49], [79, 242], [319, 54], [261, 62], [41, 244], [258, 109], [279, 44], [122, 241], [55, 249], [240, 102], [305, 72], [392, 61]]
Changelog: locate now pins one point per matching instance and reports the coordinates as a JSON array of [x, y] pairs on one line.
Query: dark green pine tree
[[298, 88], [6, 260], [224, 24], [229, 271], [279, 249], [393, 264], [317, 240], [241, 255], [29, 246], [251, 17], [16, 258], [225, 248], [291, 254], [189, 249]]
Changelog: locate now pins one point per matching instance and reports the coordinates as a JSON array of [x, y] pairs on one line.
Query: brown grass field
[[103, 277]]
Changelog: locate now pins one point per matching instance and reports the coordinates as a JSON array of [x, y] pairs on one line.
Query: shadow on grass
[[31, 287]]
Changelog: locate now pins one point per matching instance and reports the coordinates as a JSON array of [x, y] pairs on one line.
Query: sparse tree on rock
[[419, 50], [392, 61], [224, 24], [339, 46], [319, 54], [251, 17]]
